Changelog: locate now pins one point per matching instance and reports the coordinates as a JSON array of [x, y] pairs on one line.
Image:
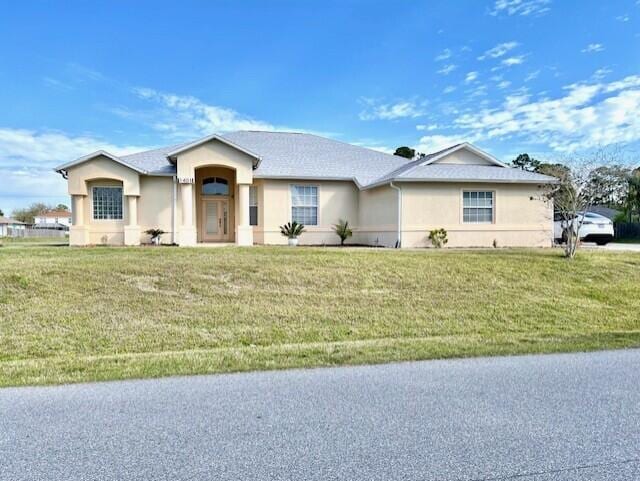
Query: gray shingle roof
[[298, 155]]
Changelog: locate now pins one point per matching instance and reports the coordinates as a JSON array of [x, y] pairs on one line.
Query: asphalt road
[[559, 417]]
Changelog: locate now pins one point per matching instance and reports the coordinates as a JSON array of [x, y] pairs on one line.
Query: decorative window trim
[[93, 206], [477, 207], [317, 206]]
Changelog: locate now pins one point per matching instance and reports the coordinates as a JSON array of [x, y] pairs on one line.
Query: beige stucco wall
[[154, 207], [102, 168], [377, 222], [522, 218], [215, 153], [336, 200]]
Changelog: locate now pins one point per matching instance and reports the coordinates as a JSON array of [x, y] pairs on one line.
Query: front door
[[215, 220]]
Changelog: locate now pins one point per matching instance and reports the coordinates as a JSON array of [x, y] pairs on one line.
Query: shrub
[[438, 238], [155, 234], [291, 230], [343, 230]]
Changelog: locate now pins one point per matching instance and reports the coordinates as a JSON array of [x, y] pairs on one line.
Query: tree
[[573, 194], [406, 152], [27, 214], [1, 213], [609, 185], [525, 162], [62, 207]]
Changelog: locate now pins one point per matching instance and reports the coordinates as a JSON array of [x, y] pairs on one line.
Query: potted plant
[[155, 235], [292, 230], [342, 230]]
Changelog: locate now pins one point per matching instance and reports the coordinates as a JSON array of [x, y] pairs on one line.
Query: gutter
[[174, 208], [395, 187]]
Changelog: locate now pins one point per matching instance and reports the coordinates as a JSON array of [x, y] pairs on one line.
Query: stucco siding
[[463, 157], [521, 216], [336, 200], [154, 207], [377, 223]]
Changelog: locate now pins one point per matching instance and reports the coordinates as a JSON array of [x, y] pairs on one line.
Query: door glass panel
[[224, 217], [211, 217]]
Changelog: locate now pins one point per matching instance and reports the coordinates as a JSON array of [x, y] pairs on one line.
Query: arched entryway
[[215, 204]]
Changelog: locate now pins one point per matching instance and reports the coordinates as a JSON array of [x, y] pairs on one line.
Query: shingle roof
[[8, 220], [300, 156]]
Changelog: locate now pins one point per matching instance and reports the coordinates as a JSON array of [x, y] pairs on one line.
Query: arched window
[[215, 186]]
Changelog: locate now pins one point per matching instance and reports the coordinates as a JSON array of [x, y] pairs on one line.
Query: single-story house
[[53, 219], [7, 223], [241, 186]]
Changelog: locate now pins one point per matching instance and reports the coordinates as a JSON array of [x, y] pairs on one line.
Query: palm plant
[[343, 230], [291, 230]]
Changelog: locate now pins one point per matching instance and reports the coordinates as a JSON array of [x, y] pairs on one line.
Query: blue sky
[[548, 77]]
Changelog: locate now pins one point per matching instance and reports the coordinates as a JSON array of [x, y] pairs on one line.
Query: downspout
[[399, 241], [174, 208]]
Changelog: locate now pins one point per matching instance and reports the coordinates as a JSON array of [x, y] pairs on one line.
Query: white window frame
[[93, 218], [291, 206], [493, 206]]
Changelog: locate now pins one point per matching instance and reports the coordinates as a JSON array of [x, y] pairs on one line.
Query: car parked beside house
[[594, 228]]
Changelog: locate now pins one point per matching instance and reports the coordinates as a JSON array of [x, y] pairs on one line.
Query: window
[[304, 204], [215, 186], [253, 205], [477, 207], [107, 203]]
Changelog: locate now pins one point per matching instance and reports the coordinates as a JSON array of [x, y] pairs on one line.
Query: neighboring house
[[53, 219], [7, 223], [241, 186]]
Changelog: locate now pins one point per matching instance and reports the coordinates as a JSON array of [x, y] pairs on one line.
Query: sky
[[553, 78]]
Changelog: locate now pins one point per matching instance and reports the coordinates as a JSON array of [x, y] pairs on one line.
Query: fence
[[28, 232], [627, 230]]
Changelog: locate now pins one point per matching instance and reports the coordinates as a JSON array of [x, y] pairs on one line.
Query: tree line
[[28, 214]]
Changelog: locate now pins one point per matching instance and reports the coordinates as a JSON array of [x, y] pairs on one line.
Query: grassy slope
[[109, 313]]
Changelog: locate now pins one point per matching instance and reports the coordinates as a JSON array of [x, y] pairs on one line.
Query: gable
[[463, 154], [463, 157], [101, 167]]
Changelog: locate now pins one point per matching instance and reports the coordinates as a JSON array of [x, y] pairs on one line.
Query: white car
[[595, 228]]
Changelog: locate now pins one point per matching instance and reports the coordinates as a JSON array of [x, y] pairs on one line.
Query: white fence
[[28, 232]]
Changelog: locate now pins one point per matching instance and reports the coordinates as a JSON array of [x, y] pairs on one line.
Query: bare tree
[[573, 194]]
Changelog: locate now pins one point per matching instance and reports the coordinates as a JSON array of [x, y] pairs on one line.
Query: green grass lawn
[[80, 314]]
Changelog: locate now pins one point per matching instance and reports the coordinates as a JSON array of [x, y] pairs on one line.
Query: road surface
[[533, 418]]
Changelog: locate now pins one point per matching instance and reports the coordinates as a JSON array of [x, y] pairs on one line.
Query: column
[[244, 232], [78, 232], [132, 229], [188, 233]]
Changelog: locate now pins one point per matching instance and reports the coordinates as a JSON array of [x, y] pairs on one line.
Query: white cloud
[[520, 7], [470, 77], [586, 116], [448, 89], [447, 69], [433, 143], [186, 116], [511, 61], [375, 110], [601, 73], [532, 76], [504, 84], [499, 50], [592, 48], [444, 55], [27, 159], [623, 18], [428, 128]]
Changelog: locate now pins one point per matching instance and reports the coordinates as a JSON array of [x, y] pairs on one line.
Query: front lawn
[[80, 314]]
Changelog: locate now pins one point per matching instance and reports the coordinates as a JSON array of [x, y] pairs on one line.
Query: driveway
[[534, 418], [615, 246]]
